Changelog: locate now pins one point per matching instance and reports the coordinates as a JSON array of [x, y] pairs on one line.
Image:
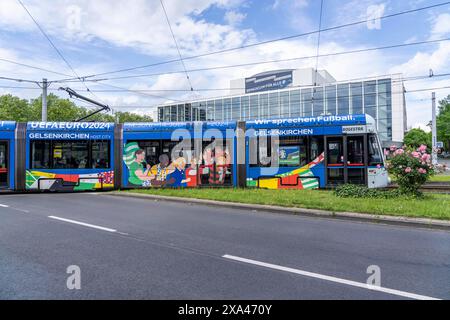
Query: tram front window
[[375, 156]]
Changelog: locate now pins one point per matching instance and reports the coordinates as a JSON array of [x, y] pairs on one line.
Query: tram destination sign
[[354, 129]]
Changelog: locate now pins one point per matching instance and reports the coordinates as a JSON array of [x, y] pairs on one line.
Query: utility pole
[[44, 99], [434, 130]]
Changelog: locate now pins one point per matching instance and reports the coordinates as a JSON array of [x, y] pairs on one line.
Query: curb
[[361, 217]]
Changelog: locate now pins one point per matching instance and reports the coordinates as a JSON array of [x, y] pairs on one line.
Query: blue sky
[[105, 35]]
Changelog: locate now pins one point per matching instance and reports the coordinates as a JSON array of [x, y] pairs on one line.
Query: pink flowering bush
[[411, 168]]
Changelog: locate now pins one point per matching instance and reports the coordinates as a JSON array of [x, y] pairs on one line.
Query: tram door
[[335, 160], [3, 164], [346, 160]]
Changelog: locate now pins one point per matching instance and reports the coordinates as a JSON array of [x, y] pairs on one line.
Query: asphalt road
[[139, 249]]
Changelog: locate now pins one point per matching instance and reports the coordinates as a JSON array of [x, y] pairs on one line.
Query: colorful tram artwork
[[297, 153]]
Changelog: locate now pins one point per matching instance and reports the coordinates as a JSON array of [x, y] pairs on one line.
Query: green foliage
[[357, 191], [14, 109], [443, 122], [411, 169], [20, 110], [417, 137]]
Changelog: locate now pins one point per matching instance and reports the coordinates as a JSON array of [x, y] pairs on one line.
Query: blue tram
[[297, 153]]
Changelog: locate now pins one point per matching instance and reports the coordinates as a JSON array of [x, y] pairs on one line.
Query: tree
[[132, 117], [15, 109], [443, 122], [417, 137]]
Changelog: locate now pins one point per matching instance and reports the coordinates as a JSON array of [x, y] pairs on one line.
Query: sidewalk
[[361, 217]]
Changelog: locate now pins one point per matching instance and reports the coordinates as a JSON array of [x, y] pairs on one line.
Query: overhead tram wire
[[176, 45], [54, 46], [120, 89], [268, 41], [34, 67], [402, 45], [403, 79]]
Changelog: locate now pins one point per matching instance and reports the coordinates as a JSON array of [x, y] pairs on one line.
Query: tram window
[[70, 155], [292, 152], [264, 152], [355, 150], [335, 152], [316, 148], [375, 157], [356, 176], [100, 154], [151, 149], [40, 155], [335, 176]]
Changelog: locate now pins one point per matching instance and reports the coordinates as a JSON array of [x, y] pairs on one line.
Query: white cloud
[[234, 18], [441, 26]]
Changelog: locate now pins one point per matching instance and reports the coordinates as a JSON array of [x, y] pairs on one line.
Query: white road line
[[4, 205], [83, 224], [332, 279]]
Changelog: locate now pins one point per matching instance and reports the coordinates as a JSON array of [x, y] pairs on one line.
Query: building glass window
[[264, 106], [307, 102], [274, 105], [357, 98], [295, 103], [210, 110], [167, 113], [218, 114], [370, 98], [180, 113], [385, 109], [161, 114], [330, 93], [245, 108], [173, 113], [284, 104], [254, 107], [343, 99], [318, 99], [236, 108], [188, 112], [227, 109]]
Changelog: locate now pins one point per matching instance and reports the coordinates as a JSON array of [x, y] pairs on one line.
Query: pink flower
[[408, 170], [422, 148], [399, 152], [422, 171], [386, 152], [426, 157], [393, 148], [416, 154]]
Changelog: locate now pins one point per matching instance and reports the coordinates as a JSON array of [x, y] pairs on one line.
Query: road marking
[[4, 205], [329, 278], [83, 224]]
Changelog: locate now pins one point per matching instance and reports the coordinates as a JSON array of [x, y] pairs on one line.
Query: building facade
[[302, 93]]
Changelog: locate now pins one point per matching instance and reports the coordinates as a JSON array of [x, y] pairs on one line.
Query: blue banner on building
[[269, 81]]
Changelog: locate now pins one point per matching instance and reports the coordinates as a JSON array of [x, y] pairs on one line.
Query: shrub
[[411, 168], [358, 191]]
